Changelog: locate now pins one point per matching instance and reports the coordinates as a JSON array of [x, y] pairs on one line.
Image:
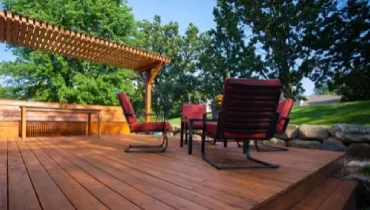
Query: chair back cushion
[[249, 108], [127, 109], [193, 111], [284, 108]]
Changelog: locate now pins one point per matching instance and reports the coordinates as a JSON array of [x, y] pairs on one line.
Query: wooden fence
[[58, 123]]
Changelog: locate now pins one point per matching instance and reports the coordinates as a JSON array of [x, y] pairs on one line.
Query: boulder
[[316, 132], [359, 150], [290, 133], [276, 141], [332, 144], [305, 144], [350, 132]]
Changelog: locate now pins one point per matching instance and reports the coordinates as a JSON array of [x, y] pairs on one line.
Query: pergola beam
[[37, 35]]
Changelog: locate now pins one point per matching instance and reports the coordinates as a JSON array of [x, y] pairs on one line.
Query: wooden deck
[[91, 173]]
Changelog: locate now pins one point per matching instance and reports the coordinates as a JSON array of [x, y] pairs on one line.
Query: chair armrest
[[206, 114]]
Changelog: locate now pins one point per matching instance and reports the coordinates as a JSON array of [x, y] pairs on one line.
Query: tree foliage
[[342, 44], [324, 40], [226, 53], [49, 77], [177, 82], [280, 32]]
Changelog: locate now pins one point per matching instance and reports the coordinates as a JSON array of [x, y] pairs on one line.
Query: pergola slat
[[9, 28], [2, 28], [29, 34], [22, 35], [40, 36], [15, 37]]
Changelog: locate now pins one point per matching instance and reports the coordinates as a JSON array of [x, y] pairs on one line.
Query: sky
[[198, 12]]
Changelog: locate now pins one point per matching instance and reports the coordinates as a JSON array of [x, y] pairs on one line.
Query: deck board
[[136, 196], [3, 174], [315, 199], [110, 198], [206, 186], [21, 192], [48, 192], [79, 197], [120, 166], [88, 173]]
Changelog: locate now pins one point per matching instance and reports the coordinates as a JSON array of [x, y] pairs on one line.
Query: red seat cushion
[[150, 127], [211, 128], [283, 108], [197, 125]]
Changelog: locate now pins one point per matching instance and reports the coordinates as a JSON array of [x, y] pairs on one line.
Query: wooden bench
[[26, 109]]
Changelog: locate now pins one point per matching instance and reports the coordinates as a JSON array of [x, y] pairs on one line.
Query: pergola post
[[148, 100], [150, 75]]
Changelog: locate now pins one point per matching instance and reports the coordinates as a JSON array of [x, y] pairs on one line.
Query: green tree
[[226, 53], [50, 77], [177, 82], [342, 44], [280, 32]]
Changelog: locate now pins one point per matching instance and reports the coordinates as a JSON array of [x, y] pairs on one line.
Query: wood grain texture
[[339, 198], [86, 173], [21, 192], [315, 199], [48, 192], [76, 194], [3, 174]]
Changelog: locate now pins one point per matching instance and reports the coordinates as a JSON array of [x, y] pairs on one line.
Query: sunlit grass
[[351, 112]]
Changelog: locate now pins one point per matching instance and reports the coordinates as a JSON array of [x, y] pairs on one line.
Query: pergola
[[38, 35]]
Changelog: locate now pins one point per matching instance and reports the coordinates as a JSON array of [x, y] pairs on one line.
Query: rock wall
[[354, 139]]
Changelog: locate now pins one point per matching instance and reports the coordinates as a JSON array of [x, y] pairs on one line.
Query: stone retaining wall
[[354, 139]]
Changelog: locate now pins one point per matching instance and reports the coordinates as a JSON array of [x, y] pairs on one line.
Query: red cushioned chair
[[137, 127], [248, 111], [284, 108], [191, 119]]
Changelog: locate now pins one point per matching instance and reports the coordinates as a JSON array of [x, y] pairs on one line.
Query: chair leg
[[186, 133], [190, 146], [182, 135], [268, 148], [149, 148], [261, 164], [239, 145]]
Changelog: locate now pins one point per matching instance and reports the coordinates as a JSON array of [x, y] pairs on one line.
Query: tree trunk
[[284, 76]]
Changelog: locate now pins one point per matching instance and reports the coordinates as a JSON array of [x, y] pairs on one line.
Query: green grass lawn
[[350, 112]]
